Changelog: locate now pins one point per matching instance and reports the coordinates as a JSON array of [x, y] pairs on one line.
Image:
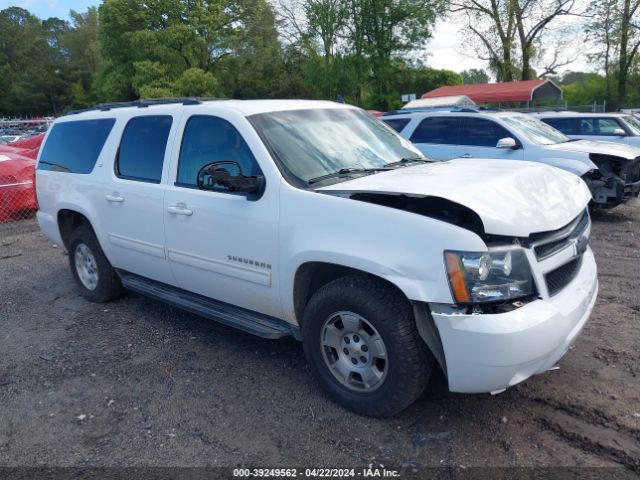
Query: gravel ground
[[139, 383]]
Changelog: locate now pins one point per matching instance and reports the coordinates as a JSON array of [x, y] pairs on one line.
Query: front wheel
[[360, 338]]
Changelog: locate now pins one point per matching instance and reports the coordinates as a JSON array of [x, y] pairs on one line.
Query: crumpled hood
[[605, 148], [512, 198]]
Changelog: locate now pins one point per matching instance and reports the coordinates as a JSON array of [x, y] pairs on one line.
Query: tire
[[107, 284], [381, 311]]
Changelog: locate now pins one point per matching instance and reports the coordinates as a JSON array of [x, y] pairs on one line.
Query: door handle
[[180, 209], [114, 198], [466, 155]]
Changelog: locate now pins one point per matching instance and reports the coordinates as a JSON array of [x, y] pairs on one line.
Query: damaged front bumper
[[614, 182], [613, 191], [491, 352]]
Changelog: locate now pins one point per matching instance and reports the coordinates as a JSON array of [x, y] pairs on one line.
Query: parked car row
[[315, 220], [610, 170]]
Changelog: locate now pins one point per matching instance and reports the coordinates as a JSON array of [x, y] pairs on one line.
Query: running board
[[255, 323]]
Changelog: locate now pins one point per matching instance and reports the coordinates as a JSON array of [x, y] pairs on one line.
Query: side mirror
[[619, 132], [507, 143], [229, 176]]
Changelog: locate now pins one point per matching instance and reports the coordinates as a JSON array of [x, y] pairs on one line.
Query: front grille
[[560, 277], [546, 244]]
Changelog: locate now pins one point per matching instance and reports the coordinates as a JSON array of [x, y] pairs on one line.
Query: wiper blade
[[347, 171], [407, 161]]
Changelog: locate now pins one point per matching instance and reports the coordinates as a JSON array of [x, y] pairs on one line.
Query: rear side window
[[437, 130], [74, 147], [481, 133], [568, 126], [142, 148], [397, 123]]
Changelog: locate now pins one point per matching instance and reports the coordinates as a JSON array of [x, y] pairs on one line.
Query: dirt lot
[[136, 382]]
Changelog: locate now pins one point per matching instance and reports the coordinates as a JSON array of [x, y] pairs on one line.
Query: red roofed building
[[503, 92]]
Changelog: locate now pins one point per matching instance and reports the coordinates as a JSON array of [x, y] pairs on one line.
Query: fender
[[578, 167], [404, 248]]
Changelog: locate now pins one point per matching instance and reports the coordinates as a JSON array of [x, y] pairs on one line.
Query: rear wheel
[[360, 338], [92, 271]]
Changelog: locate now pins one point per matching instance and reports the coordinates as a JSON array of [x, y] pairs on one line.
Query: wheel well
[[68, 221], [311, 276]]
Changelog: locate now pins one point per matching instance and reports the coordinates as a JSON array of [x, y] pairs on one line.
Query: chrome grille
[[548, 243]]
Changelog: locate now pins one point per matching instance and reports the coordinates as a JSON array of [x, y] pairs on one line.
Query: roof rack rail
[[476, 109], [105, 107]]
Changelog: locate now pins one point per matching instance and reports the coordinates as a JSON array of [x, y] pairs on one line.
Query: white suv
[[312, 219], [611, 170]]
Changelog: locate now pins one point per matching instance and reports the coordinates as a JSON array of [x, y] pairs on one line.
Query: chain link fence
[[17, 174], [594, 107]]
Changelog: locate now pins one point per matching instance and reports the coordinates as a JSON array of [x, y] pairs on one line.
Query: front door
[[221, 244], [479, 137]]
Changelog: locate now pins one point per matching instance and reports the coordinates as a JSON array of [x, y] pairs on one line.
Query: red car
[[17, 195], [28, 147]]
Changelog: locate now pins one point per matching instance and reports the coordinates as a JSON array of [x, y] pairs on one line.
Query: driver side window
[[208, 139]]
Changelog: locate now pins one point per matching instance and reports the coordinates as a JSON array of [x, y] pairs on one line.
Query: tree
[[629, 43], [392, 27], [474, 75], [150, 45], [499, 26], [581, 88], [492, 27], [32, 65], [532, 19], [614, 29], [361, 37], [600, 31], [81, 46]]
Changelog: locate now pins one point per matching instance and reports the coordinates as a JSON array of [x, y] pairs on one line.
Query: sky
[[445, 50], [49, 8]]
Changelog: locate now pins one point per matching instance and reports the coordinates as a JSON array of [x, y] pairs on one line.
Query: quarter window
[[207, 140], [437, 130], [142, 148], [74, 147], [481, 133]]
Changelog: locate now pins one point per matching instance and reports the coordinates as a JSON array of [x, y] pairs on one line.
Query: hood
[[604, 148], [511, 198]]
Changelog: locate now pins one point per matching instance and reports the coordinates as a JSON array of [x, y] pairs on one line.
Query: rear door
[[437, 137], [479, 137], [131, 208]]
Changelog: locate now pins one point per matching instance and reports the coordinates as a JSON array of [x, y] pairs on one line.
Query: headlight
[[493, 276]]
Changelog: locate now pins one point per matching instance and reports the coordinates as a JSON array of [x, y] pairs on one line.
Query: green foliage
[[584, 91], [474, 75], [128, 49]]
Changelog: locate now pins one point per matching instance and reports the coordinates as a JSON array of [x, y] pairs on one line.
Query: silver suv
[[611, 170]]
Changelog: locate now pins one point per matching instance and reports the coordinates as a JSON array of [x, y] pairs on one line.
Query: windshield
[[633, 123], [310, 144], [535, 131]]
